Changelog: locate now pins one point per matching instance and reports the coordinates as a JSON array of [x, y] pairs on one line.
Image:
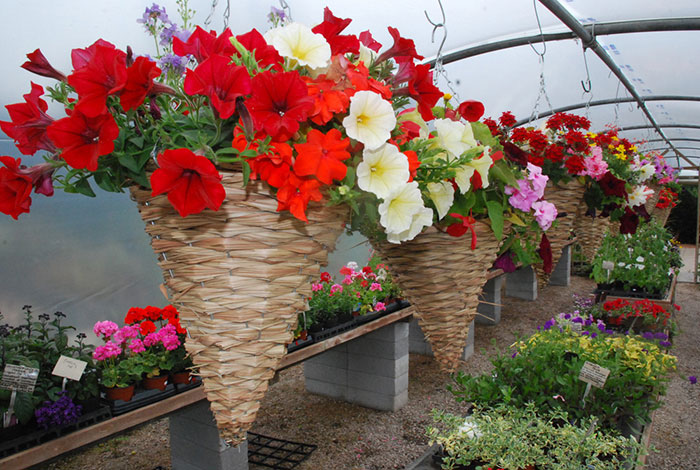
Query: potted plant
[[119, 373], [521, 438]]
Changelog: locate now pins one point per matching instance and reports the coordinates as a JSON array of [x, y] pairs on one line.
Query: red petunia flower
[[83, 139], [471, 110], [202, 44], [278, 103], [265, 55], [296, 194], [219, 81], [322, 156], [368, 41], [331, 28], [403, 49], [103, 74], [545, 252], [29, 123], [413, 163], [422, 90], [191, 181], [328, 101], [39, 65], [460, 228], [15, 188], [272, 166], [139, 82]]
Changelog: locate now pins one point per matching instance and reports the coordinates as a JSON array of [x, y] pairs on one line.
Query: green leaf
[[128, 161], [349, 179], [502, 171], [24, 407], [83, 187], [496, 215], [137, 141], [482, 133], [227, 151], [105, 181], [246, 172]]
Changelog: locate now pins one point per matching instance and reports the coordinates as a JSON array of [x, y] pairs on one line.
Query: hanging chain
[[439, 68], [543, 86], [227, 13], [287, 10], [209, 17]]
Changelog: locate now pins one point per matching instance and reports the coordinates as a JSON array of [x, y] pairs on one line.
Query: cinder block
[[490, 313], [198, 412], [377, 348], [381, 367], [316, 371], [561, 275], [522, 284], [327, 389], [206, 435], [378, 401], [235, 458], [333, 358], [373, 383], [193, 453], [394, 332]]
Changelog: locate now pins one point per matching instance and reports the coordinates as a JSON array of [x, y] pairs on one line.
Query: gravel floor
[[350, 437]]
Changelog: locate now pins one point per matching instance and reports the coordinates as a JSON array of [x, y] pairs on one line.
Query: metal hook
[[587, 84], [436, 26], [539, 25], [287, 10]]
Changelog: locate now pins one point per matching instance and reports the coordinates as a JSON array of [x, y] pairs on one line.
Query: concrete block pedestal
[[522, 284], [561, 275], [419, 345], [490, 313], [371, 371], [195, 443]]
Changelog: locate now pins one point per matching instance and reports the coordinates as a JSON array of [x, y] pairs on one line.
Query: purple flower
[[549, 324], [588, 322], [577, 320], [514, 354], [166, 36], [665, 344], [601, 326], [661, 335], [152, 15], [693, 380], [172, 65], [648, 335], [594, 335], [505, 262], [277, 12], [62, 412]]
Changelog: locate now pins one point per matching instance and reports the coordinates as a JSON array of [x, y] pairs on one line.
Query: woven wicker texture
[[650, 205], [238, 276], [442, 278], [567, 198], [589, 234], [661, 215]]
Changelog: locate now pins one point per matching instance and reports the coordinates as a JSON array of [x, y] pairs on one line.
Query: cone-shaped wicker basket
[[442, 278], [567, 197], [238, 276], [661, 215], [589, 233], [650, 205]]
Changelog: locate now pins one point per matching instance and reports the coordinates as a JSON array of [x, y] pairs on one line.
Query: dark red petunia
[[29, 123], [139, 82], [102, 75], [278, 103], [612, 185], [545, 252], [15, 188], [219, 81], [39, 65], [83, 139], [202, 44], [403, 49], [322, 156], [265, 55], [515, 154], [296, 194], [191, 181], [471, 110], [368, 41], [331, 28], [41, 176], [422, 89], [629, 222]]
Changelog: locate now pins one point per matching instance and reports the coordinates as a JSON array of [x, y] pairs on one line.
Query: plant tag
[[19, 378], [576, 327], [608, 265], [69, 368], [594, 374]]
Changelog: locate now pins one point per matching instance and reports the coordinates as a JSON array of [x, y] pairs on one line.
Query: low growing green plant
[[512, 438], [545, 368], [645, 260]]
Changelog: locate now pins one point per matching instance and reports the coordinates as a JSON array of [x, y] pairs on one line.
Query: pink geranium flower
[[105, 328], [106, 351]]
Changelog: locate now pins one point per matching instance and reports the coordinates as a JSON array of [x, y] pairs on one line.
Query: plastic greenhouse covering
[[91, 257]]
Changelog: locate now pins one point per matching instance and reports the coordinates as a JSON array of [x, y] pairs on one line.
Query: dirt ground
[[351, 437]]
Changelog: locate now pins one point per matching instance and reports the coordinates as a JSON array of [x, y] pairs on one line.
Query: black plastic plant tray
[[39, 436], [334, 331], [141, 398], [299, 343], [278, 454]]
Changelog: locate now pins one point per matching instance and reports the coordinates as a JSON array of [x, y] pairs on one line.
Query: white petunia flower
[[640, 259], [463, 176], [399, 206], [382, 170], [422, 218], [646, 172], [371, 119], [482, 165], [639, 195], [367, 55], [297, 42], [443, 195], [454, 136]]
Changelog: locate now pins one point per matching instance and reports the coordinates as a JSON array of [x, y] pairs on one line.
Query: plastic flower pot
[[120, 393], [153, 383], [182, 378]]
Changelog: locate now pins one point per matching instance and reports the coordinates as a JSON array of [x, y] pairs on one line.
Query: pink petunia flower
[[379, 306]]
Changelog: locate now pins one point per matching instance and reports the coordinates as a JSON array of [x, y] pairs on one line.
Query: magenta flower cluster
[[528, 196]]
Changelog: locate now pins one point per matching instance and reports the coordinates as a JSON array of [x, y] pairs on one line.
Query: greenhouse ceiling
[[513, 55]]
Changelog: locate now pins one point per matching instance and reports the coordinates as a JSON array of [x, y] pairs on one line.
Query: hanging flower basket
[[567, 197], [589, 234], [442, 277], [239, 276]]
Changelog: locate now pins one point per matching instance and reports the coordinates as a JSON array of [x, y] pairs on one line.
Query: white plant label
[[19, 378], [69, 368], [594, 374], [576, 327], [608, 265]]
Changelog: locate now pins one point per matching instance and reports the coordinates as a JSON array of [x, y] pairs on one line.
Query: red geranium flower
[[169, 313], [134, 315], [39, 65], [83, 139], [278, 103], [147, 327], [139, 82], [221, 82], [507, 119], [471, 110], [322, 156], [574, 164], [296, 194], [191, 181], [202, 44], [29, 123], [103, 74], [326, 277], [153, 313], [265, 55], [331, 28], [15, 188]]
